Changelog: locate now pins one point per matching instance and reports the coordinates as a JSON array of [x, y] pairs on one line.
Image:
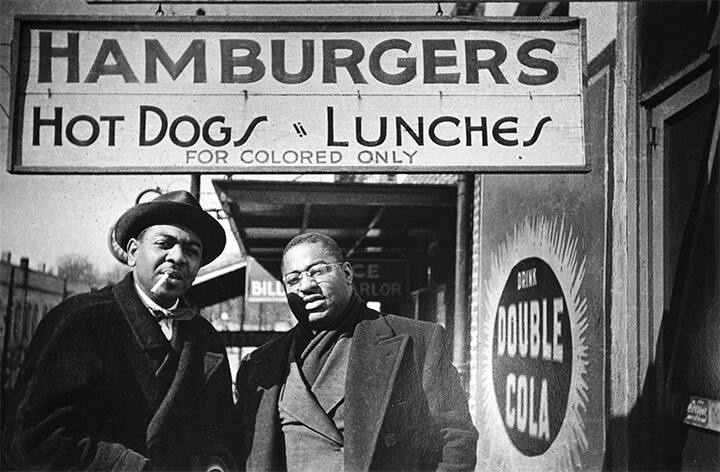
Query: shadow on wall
[[687, 353]]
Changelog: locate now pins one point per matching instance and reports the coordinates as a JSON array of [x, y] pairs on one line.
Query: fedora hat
[[172, 208]]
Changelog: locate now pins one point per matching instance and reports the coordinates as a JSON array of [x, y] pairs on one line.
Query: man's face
[[316, 301], [172, 253]]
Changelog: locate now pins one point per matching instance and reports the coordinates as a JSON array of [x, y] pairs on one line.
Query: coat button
[[390, 439]]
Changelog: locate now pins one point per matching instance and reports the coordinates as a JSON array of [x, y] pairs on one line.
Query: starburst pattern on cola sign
[[555, 244]]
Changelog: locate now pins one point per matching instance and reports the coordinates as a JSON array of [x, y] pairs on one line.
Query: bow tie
[[179, 314]]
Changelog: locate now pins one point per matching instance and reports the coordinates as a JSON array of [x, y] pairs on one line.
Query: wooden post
[[623, 370]]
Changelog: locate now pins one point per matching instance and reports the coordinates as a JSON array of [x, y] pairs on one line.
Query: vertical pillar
[[623, 371], [461, 331], [195, 185]]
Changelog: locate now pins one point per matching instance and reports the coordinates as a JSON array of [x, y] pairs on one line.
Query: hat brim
[[144, 215]]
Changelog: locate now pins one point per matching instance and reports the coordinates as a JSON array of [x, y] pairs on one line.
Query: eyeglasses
[[316, 272]]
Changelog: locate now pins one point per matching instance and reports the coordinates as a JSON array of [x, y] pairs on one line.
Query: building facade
[[25, 296], [595, 297]]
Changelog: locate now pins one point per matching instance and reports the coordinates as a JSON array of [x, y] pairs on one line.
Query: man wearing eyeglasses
[[349, 388]]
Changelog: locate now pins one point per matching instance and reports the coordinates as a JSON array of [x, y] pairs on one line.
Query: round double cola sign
[[532, 356]]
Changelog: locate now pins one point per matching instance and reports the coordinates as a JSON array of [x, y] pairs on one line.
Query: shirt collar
[[150, 304]]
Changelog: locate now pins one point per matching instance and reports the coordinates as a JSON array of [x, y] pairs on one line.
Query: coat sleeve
[[217, 454], [448, 407], [256, 431], [240, 415], [51, 425]]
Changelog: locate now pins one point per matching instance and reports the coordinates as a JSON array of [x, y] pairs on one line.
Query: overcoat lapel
[[146, 349], [297, 401], [145, 345], [375, 357], [195, 367], [329, 388]]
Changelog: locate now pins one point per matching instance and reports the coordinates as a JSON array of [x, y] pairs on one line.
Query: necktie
[[166, 372], [179, 314]]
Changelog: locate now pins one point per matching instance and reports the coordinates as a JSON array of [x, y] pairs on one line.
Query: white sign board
[[260, 285], [159, 95]]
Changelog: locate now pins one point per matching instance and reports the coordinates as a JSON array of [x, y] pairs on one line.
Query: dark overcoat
[[88, 396], [404, 404]]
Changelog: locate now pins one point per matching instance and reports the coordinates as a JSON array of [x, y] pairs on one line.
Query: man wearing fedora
[[129, 377]]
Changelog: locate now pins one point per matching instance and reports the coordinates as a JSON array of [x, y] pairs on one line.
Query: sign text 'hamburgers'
[[278, 95]]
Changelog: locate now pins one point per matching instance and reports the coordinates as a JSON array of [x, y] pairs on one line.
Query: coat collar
[[186, 385], [147, 348], [312, 406], [270, 364], [375, 358], [329, 387], [296, 400], [145, 329], [144, 343]]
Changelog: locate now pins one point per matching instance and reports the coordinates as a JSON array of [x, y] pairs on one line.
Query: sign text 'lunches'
[[404, 97]]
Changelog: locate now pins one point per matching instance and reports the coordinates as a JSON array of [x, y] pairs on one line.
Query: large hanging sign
[[160, 95]]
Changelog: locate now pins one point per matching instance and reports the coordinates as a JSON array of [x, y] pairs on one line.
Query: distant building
[[25, 296]]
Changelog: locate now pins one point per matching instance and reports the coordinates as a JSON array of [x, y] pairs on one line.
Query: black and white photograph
[[348, 235]]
